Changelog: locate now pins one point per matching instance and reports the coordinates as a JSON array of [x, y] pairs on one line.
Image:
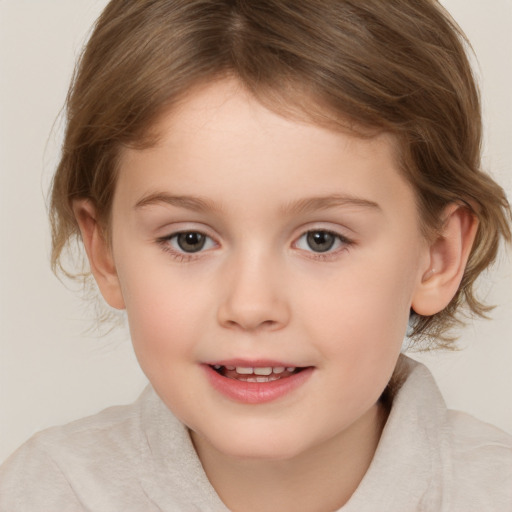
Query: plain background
[[51, 369]]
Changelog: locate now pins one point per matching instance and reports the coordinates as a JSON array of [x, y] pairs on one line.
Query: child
[[274, 191]]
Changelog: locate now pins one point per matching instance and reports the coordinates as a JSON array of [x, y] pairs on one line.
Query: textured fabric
[[140, 458]]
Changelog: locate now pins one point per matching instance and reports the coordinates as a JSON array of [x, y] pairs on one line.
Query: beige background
[[51, 369]]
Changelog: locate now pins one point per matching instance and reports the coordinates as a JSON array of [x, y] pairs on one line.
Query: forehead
[[220, 139], [214, 101]]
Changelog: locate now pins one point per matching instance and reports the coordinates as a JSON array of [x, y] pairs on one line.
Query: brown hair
[[398, 66]]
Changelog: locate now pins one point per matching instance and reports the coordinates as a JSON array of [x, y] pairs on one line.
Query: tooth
[[217, 366], [261, 379], [231, 368], [279, 369], [244, 371], [252, 379], [262, 371], [290, 369]]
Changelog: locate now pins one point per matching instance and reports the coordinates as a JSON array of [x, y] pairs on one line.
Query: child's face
[[299, 247]]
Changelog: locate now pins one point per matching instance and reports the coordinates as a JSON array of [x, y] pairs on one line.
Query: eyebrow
[[189, 202], [302, 206], [313, 204]]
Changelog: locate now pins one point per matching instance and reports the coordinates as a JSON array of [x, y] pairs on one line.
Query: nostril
[[251, 324]]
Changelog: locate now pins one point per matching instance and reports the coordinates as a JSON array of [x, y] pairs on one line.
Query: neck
[[323, 478]]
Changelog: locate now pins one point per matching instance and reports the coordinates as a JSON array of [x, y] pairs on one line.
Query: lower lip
[[256, 392]]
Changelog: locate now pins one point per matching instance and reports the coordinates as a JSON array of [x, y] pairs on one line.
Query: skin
[[257, 290]]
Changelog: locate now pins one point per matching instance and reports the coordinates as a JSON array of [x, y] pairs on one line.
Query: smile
[[256, 384]]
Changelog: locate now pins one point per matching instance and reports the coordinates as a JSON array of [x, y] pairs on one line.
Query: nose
[[254, 296]]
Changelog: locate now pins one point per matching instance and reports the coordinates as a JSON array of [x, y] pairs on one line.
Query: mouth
[[260, 374], [256, 383]]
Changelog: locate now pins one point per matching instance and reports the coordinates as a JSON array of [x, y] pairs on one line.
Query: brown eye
[[320, 241], [191, 242]]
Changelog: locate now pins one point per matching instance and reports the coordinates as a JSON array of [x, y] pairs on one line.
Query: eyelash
[[181, 256], [328, 255]]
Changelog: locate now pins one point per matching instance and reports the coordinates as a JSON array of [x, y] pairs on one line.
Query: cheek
[[362, 311], [162, 317], [165, 336], [359, 327]]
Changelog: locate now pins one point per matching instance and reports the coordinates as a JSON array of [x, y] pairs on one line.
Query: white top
[[139, 458]]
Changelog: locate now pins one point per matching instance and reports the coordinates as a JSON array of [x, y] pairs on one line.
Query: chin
[[257, 445]]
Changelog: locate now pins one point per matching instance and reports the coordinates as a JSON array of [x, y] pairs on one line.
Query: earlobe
[[99, 253], [448, 256]]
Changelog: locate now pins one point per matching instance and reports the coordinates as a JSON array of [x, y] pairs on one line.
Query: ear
[[99, 253], [448, 256]]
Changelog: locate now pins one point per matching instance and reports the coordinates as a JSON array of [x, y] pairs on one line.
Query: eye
[[321, 241], [190, 242]]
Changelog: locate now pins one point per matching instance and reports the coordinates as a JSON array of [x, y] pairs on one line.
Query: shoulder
[[61, 465], [30, 477], [109, 433], [477, 462], [457, 461], [130, 458]]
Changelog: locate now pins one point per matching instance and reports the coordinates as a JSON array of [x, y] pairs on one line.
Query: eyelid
[[334, 228], [180, 255], [330, 254]]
